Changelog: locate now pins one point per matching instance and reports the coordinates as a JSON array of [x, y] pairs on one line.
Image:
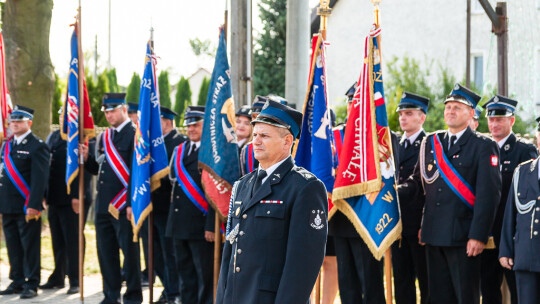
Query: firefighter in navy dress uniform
[[408, 256], [62, 212], [164, 258], [248, 163], [520, 240], [513, 151], [113, 205], [23, 180], [277, 227], [458, 170], [190, 224]]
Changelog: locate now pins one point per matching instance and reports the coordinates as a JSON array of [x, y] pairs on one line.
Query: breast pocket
[[270, 221]]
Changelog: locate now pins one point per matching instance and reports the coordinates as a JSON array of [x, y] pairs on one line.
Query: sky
[[174, 23]]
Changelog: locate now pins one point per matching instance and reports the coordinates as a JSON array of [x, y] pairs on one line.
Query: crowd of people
[[468, 205]]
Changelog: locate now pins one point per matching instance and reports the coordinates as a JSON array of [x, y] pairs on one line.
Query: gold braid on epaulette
[[422, 160]]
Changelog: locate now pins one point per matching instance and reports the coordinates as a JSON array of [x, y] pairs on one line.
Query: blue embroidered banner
[[315, 149], [150, 162], [218, 155]]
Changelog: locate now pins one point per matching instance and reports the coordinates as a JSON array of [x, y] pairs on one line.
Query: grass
[[91, 264]]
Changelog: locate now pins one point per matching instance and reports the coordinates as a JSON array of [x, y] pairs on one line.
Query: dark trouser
[[409, 263], [360, 275], [491, 278], [64, 225], [528, 287], [111, 236], [453, 277], [23, 244], [164, 258], [194, 262]]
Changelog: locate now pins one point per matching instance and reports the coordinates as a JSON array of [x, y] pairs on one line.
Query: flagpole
[[323, 11], [151, 219], [217, 222], [81, 159], [388, 253]]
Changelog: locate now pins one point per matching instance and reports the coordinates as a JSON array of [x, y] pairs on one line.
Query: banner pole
[[151, 219], [323, 11], [81, 158], [388, 275]]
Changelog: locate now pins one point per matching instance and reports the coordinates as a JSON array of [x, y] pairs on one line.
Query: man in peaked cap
[[408, 256], [62, 213], [458, 170], [473, 123], [113, 158], [257, 105], [243, 126], [277, 227], [191, 219], [513, 151], [24, 158], [248, 163], [164, 257], [132, 110]]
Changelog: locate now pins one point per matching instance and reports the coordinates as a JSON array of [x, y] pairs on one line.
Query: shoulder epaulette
[[304, 173], [524, 141]]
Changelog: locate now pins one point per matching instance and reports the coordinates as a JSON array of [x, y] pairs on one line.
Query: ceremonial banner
[[315, 149], [218, 155], [365, 188], [5, 101], [70, 115], [150, 162]]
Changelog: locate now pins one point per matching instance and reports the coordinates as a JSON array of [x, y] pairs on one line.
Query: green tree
[[30, 73], [164, 89], [134, 89], [203, 92], [183, 98], [407, 74], [202, 47], [269, 55], [96, 90], [112, 80], [57, 99]]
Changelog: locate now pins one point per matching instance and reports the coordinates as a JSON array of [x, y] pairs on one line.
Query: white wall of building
[[435, 29]]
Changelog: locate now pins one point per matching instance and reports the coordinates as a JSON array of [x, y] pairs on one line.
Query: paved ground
[[92, 291]]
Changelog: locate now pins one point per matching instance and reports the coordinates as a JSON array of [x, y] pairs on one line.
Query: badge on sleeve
[[317, 220], [494, 160]]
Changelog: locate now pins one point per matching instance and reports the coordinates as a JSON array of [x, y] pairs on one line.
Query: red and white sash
[[122, 172]]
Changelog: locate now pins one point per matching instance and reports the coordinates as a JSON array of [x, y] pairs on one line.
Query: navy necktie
[[453, 140], [261, 174]]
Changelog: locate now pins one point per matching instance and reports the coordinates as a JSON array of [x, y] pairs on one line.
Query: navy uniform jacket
[[108, 184], [57, 190], [279, 243], [31, 158], [186, 221], [447, 221], [513, 152], [520, 237], [161, 197], [411, 209]]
